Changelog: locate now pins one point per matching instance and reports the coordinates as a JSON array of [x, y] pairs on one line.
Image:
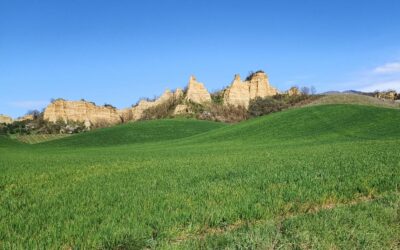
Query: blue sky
[[119, 51]]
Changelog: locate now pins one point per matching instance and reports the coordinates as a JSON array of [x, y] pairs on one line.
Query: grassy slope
[[355, 99], [139, 132], [38, 138], [320, 177]]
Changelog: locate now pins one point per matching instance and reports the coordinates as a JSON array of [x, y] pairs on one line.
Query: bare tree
[[313, 90], [305, 90]]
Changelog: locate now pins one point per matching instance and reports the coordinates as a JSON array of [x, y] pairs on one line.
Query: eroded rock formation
[[5, 119], [25, 118], [238, 94], [256, 85], [138, 110], [196, 92], [293, 91], [182, 109], [81, 111]]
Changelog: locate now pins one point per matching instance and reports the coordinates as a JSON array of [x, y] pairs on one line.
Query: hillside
[[350, 98], [317, 177], [139, 132]]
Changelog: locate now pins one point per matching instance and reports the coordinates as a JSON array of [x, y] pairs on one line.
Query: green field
[[325, 177]]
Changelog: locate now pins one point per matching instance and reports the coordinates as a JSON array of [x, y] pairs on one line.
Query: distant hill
[[351, 98]]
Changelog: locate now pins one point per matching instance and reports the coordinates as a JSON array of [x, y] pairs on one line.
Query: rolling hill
[[315, 177]]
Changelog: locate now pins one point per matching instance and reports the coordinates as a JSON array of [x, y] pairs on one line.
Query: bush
[[217, 97], [262, 106], [109, 106], [163, 110], [222, 113]]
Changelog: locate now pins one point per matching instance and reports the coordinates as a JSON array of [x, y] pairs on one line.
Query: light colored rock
[[178, 93], [125, 114], [81, 111], [293, 91], [240, 93], [166, 96], [5, 119], [259, 86], [25, 118], [181, 109], [138, 110], [196, 92]]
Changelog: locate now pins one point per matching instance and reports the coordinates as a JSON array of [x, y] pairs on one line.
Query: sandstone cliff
[[138, 110], [259, 85], [81, 111], [196, 92], [293, 91], [256, 85], [5, 119], [25, 118], [238, 94]]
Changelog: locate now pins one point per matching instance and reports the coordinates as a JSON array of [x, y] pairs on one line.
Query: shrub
[[163, 110], [251, 74], [109, 106], [217, 97], [223, 113], [262, 106]]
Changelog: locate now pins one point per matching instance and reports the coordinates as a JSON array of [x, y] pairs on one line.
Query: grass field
[[324, 177], [38, 138]]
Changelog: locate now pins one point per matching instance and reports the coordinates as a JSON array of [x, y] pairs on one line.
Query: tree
[[305, 90], [35, 113], [313, 90]]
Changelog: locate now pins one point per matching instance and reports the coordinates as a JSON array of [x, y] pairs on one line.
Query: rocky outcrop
[[138, 110], [256, 85], [238, 94], [25, 118], [182, 109], [196, 92], [5, 119], [81, 111], [125, 114], [259, 85], [178, 94], [293, 91]]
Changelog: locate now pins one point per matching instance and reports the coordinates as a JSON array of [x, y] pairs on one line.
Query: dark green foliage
[[109, 106], [251, 74], [263, 106]]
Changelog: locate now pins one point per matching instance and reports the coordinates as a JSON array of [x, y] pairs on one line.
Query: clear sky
[[118, 51]]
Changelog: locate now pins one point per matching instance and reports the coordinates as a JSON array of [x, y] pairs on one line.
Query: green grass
[[38, 138], [318, 177], [355, 99]]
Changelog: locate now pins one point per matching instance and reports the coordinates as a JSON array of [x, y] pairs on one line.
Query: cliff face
[[81, 111], [259, 86], [5, 119], [240, 93], [196, 92], [25, 118], [137, 111]]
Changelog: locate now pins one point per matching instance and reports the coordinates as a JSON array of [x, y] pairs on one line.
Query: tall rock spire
[[196, 92]]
